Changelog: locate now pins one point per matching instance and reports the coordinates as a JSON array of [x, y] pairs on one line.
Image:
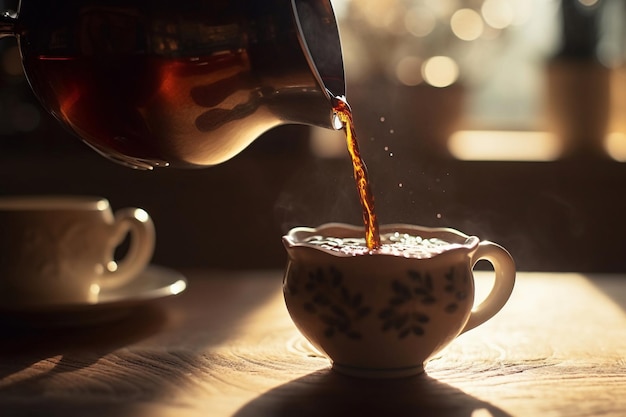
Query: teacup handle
[[142, 237], [504, 268]]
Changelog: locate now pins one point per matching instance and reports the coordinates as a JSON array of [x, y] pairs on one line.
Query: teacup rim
[[295, 236]]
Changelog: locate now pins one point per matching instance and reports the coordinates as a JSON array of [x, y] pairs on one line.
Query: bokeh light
[[440, 71], [408, 70], [498, 14], [420, 21], [483, 145], [467, 24], [615, 146], [380, 14]]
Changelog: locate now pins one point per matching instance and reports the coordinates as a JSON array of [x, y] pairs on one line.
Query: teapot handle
[[504, 268]]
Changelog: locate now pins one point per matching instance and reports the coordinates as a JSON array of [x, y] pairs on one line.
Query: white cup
[[58, 250], [384, 314]]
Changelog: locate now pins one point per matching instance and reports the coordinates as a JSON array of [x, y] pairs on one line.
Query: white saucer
[[153, 283]]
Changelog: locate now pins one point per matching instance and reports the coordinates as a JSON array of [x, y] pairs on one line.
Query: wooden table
[[227, 347]]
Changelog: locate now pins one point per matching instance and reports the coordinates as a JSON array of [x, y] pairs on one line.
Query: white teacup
[[60, 249], [385, 313]]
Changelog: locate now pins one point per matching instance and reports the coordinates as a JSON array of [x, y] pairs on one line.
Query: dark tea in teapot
[[186, 84], [127, 104]]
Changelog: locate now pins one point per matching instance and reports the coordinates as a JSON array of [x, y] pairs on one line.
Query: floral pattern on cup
[[401, 314], [333, 303], [340, 309]]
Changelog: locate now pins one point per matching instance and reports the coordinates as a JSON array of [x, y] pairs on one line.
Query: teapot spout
[[304, 107]]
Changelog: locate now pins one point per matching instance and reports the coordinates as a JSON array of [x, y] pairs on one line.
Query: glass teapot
[[179, 82]]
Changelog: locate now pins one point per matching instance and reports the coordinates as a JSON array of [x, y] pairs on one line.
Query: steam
[[321, 191]]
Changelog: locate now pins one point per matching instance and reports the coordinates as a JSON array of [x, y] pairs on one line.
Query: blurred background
[[503, 118]]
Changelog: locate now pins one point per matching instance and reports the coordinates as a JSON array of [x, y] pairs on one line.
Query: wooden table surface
[[227, 347]]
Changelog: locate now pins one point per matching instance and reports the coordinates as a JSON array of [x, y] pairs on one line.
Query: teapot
[[185, 83]]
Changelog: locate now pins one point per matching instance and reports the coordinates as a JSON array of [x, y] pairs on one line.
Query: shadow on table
[[613, 286], [145, 357], [24, 343], [329, 394]]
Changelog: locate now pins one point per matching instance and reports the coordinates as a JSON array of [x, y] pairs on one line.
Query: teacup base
[[378, 373]]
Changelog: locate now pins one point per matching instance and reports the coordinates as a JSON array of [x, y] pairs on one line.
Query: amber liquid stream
[[344, 113]]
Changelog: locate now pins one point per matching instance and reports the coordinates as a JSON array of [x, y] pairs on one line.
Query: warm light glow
[[467, 24], [141, 215], [441, 9], [419, 21], [379, 14], [440, 71], [408, 71], [94, 289], [475, 145], [102, 205], [178, 287], [481, 412], [588, 3], [94, 293], [615, 146], [498, 14], [68, 102]]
